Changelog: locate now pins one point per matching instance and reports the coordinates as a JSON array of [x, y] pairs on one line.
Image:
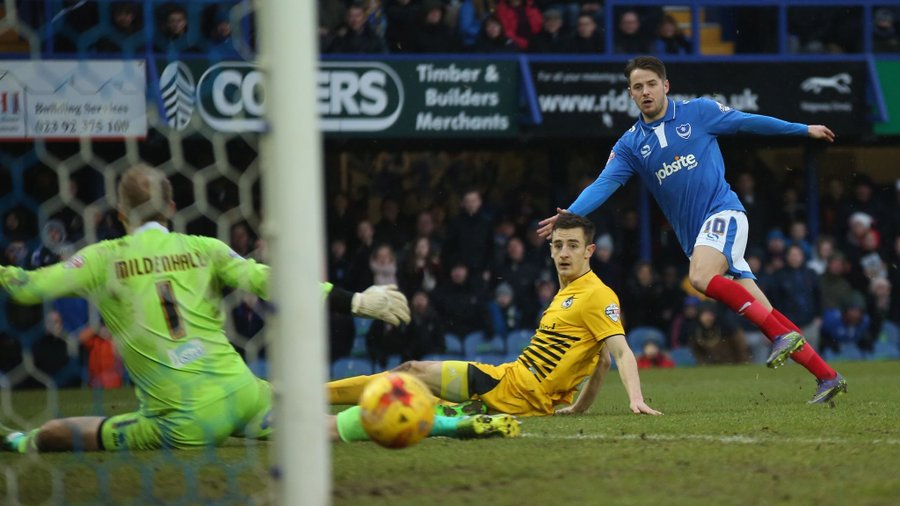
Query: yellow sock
[[348, 390]]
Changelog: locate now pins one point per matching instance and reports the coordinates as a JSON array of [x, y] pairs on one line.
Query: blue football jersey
[[679, 161]]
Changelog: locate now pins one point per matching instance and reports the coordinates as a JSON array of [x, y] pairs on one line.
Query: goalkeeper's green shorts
[[245, 413]]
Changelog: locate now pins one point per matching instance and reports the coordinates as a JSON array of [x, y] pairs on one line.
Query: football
[[397, 410]]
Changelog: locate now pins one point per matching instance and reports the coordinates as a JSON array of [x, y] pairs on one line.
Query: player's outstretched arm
[[589, 393], [75, 276], [545, 226], [381, 302], [821, 132], [628, 372]]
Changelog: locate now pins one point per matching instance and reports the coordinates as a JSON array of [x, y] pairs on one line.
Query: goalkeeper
[[159, 294]]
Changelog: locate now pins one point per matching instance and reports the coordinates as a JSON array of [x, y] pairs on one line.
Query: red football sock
[[807, 356], [735, 296]]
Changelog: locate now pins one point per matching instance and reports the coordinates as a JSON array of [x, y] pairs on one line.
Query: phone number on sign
[[80, 127]]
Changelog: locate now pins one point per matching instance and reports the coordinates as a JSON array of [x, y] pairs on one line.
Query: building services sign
[[360, 99], [57, 99]]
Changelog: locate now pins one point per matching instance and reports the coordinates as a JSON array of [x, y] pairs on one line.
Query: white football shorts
[[727, 231]]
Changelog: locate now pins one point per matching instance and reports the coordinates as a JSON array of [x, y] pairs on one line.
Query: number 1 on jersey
[[170, 309]]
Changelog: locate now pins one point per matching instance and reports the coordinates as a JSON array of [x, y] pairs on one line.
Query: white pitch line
[[709, 437]]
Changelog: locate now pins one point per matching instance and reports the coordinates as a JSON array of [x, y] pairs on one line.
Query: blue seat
[[474, 343], [849, 351], [439, 357], [639, 336], [359, 347], [683, 357], [392, 362], [491, 358], [453, 344], [886, 350], [259, 367], [517, 340], [890, 333], [346, 367]]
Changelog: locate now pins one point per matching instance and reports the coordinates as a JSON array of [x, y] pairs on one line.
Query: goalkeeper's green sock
[[350, 428], [349, 425], [21, 442]]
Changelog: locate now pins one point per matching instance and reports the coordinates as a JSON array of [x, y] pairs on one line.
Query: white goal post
[[293, 226]]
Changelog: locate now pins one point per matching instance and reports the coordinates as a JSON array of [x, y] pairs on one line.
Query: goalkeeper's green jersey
[[159, 292]]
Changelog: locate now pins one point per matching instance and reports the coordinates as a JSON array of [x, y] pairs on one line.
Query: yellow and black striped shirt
[[565, 348]]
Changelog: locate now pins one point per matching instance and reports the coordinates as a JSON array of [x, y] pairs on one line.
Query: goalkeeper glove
[[381, 302]]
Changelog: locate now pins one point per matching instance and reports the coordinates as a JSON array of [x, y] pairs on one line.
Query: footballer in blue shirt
[[673, 148]]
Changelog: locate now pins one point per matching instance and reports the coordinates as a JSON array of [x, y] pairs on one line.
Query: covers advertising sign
[[396, 99], [64, 99], [591, 99]]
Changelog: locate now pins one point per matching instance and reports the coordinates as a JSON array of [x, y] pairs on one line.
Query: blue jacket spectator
[[795, 289], [505, 315], [468, 21], [848, 325]]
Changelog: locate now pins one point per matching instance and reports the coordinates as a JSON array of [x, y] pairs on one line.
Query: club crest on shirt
[[568, 302], [683, 131], [612, 312], [645, 150], [76, 262]]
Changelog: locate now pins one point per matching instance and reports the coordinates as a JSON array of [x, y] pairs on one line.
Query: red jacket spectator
[[105, 368], [521, 20], [652, 356]]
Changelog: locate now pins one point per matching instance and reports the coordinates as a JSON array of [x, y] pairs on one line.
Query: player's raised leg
[[830, 382], [721, 251]]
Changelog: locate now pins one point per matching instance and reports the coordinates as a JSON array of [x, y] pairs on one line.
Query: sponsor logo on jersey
[[612, 312], [723, 107], [645, 150], [683, 131], [681, 162], [186, 353], [568, 302], [76, 262], [612, 154]]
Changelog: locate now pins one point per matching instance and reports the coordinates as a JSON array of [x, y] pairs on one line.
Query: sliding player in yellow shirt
[[577, 333]]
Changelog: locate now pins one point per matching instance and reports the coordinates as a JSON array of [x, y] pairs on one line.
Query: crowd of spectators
[[451, 26], [579, 27], [118, 27]]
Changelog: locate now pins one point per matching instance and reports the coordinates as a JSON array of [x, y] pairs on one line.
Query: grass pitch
[[730, 435]]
